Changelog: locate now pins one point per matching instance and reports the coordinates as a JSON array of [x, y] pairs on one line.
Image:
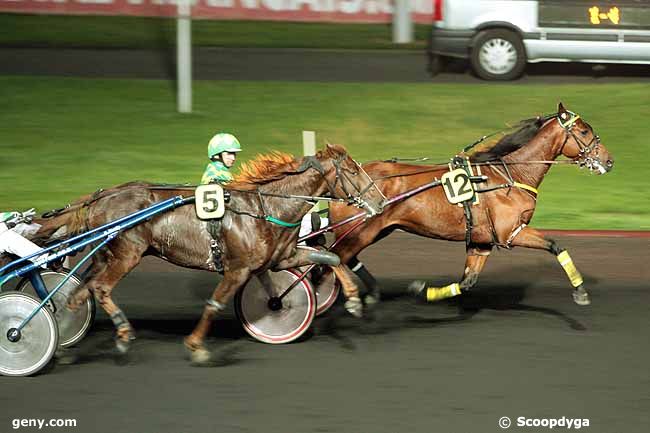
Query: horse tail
[[61, 224]]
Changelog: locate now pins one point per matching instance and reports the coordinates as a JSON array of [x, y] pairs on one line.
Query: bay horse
[[248, 242], [515, 167]]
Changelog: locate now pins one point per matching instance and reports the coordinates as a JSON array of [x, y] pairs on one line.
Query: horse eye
[[584, 133]]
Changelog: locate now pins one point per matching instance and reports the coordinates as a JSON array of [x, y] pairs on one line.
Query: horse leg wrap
[[361, 271], [437, 293], [119, 320], [354, 306], [570, 268], [124, 329], [215, 306]]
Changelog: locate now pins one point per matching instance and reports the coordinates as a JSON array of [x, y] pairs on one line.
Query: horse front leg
[[231, 283], [531, 238], [353, 302], [474, 262]]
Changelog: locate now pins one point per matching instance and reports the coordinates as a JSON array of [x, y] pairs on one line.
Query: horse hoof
[[354, 307], [581, 297], [416, 287], [371, 299], [122, 346], [200, 356]]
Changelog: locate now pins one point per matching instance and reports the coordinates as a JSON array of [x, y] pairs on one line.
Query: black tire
[[509, 66], [436, 64]]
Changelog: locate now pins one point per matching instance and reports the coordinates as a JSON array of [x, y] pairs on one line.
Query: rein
[[313, 162]]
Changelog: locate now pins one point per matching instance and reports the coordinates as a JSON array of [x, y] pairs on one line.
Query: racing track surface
[[519, 347], [285, 65]]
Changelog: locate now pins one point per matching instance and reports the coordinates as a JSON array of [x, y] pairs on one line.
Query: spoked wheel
[[26, 351], [268, 318], [73, 325]]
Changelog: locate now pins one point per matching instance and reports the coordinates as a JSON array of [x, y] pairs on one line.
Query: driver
[[14, 226], [222, 152]]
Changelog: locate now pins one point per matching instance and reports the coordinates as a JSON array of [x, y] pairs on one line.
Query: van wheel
[[498, 55], [436, 64]]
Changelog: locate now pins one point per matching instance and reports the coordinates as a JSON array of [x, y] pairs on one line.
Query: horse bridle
[[585, 157], [341, 174]]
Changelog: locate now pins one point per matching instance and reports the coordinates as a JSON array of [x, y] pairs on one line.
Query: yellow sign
[[596, 16]]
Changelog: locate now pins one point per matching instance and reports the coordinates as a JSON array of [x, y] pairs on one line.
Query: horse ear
[[333, 149], [560, 108]]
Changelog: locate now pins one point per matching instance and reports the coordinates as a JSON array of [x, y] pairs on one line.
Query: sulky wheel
[[326, 287], [73, 325], [27, 351], [269, 319]]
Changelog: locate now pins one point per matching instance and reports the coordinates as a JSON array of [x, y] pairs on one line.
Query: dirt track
[[519, 347]]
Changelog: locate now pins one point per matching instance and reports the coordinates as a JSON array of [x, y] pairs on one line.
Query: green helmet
[[223, 142]]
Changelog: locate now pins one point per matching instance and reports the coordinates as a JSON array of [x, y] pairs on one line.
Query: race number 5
[[457, 186], [209, 201]]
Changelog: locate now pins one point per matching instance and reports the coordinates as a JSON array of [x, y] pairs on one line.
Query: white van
[[500, 36]]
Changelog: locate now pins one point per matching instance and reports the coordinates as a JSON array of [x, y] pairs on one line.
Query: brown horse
[[248, 243], [515, 167]]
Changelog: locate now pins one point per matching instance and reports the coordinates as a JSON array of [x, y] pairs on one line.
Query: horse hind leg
[[474, 263], [102, 284], [531, 238], [83, 291]]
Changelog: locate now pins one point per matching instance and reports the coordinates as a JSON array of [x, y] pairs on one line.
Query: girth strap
[[214, 228]]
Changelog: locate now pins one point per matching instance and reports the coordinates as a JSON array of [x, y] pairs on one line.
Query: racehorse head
[[346, 178], [581, 144]]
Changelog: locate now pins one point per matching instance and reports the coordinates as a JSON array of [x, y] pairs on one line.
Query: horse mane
[[275, 165], [264, 168], [526, 130]]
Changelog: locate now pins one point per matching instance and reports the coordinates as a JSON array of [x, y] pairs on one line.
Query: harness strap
[[280, 222], [569, 123], [514, 233], [526, 187]]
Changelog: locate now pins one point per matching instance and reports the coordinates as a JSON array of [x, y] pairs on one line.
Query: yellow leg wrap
[[570, 268], [437, 293]]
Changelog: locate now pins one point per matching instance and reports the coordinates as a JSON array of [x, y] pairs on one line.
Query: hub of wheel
[[275, 304], [13, 335]]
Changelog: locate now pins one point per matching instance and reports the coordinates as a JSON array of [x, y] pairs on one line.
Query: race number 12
[[457, 186]]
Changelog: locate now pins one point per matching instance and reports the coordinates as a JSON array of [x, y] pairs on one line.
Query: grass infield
[[64, 137]]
